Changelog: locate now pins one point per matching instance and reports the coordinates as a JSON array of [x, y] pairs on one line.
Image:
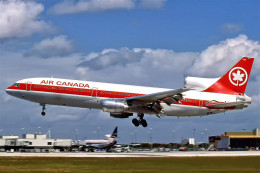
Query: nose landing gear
[[141, 120], [43, 108]]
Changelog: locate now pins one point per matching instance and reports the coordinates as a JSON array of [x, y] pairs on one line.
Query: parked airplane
[[107, 144], [200, 96]]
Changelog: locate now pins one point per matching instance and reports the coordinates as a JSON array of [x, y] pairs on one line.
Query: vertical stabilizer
[[235, 80], [114, 134]]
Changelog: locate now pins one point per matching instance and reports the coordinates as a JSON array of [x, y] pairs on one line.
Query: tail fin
[[235, 80], [114, 134]]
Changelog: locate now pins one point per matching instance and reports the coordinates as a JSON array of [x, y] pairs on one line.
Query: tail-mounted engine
[[114, 106]]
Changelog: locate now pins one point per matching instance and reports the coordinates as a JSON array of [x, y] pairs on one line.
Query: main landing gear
[[43, 108], [141, 120]]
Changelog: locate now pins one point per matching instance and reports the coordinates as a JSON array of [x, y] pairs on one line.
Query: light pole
[[22, 131], [135, 136], [98, 129], [194, 139], [194, 130], [132, 137], [39, 129], [206, 134], [150, 135], [76, 134], [94, 133], [173, 132]]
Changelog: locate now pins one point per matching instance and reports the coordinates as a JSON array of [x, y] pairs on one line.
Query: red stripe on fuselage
[[94, 92], [73, 90]]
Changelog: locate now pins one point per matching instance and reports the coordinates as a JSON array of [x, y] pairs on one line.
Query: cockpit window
[[16, 84]]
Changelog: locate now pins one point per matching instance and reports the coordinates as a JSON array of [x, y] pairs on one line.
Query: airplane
[[108, 144], [198, 97]]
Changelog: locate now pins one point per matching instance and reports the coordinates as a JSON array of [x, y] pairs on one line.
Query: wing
[[229, 105], [168, 97]]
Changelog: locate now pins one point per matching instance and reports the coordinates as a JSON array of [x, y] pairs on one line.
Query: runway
[[137, 154]]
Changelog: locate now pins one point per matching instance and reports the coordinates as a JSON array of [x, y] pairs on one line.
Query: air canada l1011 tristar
[[200, 96]]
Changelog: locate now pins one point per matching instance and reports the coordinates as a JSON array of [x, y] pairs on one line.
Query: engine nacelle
[[114, 106], [121, 115]]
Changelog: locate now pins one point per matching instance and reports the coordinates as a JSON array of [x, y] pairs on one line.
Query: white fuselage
[[88, 94]]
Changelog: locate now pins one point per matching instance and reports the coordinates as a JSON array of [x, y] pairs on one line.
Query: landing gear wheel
[[135, 122], [43, 113], [143, 122]]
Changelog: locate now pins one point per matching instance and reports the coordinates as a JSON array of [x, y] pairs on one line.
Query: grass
[[130, 165]]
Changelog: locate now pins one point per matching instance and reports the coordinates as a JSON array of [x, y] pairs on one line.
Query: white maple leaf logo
[[238, 76]]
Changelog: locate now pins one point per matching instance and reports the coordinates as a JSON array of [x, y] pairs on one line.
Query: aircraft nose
[[9, 91]]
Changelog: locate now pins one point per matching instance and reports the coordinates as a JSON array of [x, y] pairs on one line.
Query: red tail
[[235, 80]]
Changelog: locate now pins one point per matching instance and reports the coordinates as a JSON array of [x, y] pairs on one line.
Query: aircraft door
[[200, 103], [28, 86], [94, 92]]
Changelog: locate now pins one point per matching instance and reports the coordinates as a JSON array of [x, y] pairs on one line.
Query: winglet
[[235, 80]]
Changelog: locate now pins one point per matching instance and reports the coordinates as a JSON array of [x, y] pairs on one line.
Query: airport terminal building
[[33, 142], [237, 140]]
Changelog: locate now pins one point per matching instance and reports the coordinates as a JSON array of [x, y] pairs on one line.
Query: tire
[[135, 122]]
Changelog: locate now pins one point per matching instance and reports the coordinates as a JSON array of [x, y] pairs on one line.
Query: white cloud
[[217, 59], [230, 28], [126, 56], [21, 18], [141, 66], [71, 6], [58, 46], [153, 4]]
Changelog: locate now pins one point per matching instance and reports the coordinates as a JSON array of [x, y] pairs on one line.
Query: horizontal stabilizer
[[229, 105]]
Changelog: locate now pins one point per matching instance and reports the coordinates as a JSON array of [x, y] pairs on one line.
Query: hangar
[[237, 140]]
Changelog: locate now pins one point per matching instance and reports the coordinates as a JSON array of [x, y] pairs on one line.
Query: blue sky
[[154, 42], [179, 25]]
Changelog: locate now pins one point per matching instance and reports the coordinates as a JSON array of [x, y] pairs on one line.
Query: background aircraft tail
[[112, 138], [235, 80], [114, 134]]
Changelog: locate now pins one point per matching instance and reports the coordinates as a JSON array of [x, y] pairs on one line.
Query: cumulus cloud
[[217, 59], [137, 66], [153, 4], [126, 56], [231, 28], [71, 6], [21, 18], [110, 57], [58, 46]]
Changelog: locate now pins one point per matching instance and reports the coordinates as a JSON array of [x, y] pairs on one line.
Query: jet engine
[[114, 106]]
